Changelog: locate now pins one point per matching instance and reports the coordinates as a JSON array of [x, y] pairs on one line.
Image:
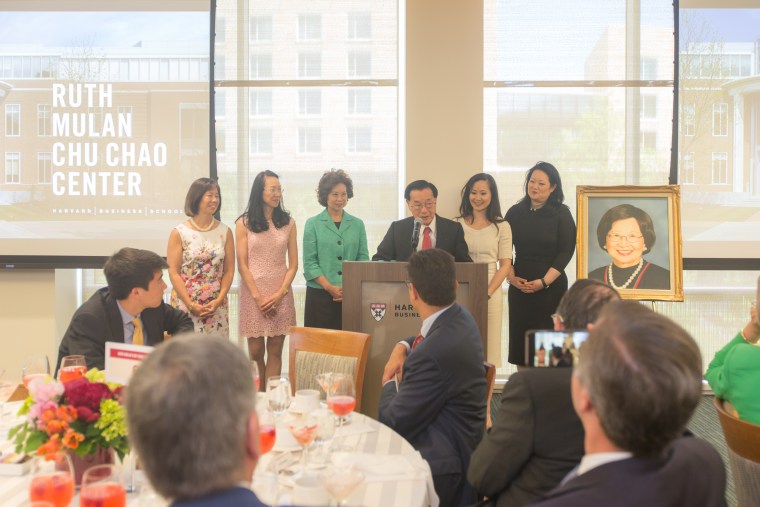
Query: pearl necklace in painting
[[201, 229], [630, 279]]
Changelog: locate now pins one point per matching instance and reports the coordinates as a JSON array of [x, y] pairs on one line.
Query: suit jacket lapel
[[114, 325]]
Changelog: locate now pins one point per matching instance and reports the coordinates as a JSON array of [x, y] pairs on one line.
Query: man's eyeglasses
[[417, 206]]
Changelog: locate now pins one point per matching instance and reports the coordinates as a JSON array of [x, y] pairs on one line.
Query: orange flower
[[49, 448], [72, 438], [55, 426], [66, 413]]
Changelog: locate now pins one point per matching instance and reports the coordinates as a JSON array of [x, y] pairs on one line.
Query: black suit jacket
[[690, 474], [397, 243], [440, 406], [98, 321], [233, 497], [535, 440]]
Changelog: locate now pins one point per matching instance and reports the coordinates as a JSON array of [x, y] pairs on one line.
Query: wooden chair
[[314, 350], [490, 379], [743, 442]]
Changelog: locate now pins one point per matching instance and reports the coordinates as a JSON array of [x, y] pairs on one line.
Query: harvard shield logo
[[377, 310]]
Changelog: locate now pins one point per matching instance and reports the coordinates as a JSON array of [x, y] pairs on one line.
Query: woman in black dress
[[543, 234]]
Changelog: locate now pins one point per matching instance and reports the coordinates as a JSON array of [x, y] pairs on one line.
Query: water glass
[[52, 481], [278, 394], [325, 432], [102, 485]]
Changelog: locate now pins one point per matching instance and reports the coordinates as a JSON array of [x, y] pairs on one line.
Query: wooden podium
[[376, 301]]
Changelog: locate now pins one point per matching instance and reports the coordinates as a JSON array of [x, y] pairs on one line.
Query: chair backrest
[[314, 350], [743, 442], [490, 379]]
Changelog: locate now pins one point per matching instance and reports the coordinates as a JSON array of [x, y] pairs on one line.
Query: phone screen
[[554, 348]]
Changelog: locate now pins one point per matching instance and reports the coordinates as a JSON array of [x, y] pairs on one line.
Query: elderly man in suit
[[130, 310], [439, 406], [635, 388], [537, 437], [435, 231], [192, 419]]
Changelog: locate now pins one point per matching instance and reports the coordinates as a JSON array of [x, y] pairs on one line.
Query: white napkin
[[390, 467], [357, 427]]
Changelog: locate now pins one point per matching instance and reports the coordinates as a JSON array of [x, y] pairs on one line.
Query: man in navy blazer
[[440, 403], [635, 388], [537, 438], [445, 234], [191, 414], [135, 291]]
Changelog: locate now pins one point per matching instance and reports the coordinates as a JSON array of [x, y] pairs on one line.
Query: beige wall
[[444, 144], [444, 95]]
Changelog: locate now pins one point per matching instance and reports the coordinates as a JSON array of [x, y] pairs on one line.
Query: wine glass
[[101, 485], [324, 380], [267, 430], [72, 367], [341, 399], [304, 429], [52, 480], [278, 394], [325, 431], [341, 482], [34, 367]]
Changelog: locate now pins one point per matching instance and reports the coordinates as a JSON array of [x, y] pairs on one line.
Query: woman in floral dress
[[201, 258], [266, 237]]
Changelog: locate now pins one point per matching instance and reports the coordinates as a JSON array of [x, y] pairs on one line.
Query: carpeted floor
[[704, 424]]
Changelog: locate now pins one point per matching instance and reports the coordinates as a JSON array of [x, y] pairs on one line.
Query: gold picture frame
[[620, 233]]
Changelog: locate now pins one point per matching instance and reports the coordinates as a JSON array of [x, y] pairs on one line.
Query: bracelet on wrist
[[543, 282]]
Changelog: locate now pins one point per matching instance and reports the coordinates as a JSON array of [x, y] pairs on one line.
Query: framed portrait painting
[[629, 237]]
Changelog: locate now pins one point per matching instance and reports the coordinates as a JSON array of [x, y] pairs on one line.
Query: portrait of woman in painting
[[627, 233]]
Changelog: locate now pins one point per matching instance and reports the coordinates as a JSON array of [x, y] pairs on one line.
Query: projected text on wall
[[83, 152]]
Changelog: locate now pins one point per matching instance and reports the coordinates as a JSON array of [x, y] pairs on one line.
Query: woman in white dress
[[201, 258], [489, 240]]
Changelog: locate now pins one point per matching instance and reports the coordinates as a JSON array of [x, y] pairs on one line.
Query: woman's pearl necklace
[[630, 279], [201, 229]]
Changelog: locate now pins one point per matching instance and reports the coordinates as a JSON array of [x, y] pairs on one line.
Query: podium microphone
[[416, 233]]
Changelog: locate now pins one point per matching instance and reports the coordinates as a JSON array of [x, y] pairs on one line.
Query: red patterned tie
[[417, 341], [427, 242]]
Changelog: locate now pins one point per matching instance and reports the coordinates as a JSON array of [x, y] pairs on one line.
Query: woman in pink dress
[[265, 235]]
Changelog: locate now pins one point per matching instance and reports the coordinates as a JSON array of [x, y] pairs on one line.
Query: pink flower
[[36, 411], [45, 389]]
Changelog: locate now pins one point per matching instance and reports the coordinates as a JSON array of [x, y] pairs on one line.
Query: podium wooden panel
[[376, 301]]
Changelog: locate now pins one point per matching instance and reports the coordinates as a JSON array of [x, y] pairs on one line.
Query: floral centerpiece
[[82, 416]]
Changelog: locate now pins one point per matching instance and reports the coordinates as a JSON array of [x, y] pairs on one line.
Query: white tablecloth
[[395, 473]]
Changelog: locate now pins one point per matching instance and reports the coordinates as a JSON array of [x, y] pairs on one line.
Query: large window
[[316, 67], [593, 94], [719, 107]]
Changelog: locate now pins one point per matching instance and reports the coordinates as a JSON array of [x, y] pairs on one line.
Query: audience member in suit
[[734, 372], [537, 438], [440, 405], [191, 414], [636, 386], [135, 292], [445, 234]]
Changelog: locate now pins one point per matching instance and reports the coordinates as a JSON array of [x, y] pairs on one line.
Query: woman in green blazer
[[329, 238]]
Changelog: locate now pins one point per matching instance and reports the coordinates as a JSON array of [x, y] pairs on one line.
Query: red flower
[[86, 397]]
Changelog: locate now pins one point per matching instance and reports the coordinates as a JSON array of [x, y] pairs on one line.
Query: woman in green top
[[329, 238], [733, 373]]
